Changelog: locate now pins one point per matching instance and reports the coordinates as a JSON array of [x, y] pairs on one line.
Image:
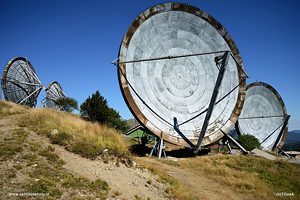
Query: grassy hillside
[[32, 166], [29, 168], [77, 135]]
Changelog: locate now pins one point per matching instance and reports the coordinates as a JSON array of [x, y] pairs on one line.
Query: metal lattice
[[54, 92], [20, 83]]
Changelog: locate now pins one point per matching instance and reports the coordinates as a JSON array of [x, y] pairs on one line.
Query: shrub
[[67, 104], [249, 142]]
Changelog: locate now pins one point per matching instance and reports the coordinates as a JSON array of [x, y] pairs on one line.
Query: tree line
[[95, 109]]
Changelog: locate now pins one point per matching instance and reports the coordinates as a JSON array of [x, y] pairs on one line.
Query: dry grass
[[79, 135], [245, 174], [255, 178], [9, 108]]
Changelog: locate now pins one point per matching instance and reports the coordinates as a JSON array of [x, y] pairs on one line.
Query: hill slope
[[60, 156], [33, 166]]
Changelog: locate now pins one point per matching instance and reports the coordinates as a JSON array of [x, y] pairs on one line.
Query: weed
[[12, 175], [61, 138], [104, 159], [7, 150], [74, 182], [55, 192], [51, 148], [4, 158], [137, 197], [18, 167], [168, 190], [42, 186], [61, 162], [99, 184], [30, 157], [34, 146], [85, 149], [50, 156]]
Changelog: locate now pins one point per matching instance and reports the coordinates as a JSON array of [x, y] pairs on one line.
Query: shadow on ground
[[141, 150]]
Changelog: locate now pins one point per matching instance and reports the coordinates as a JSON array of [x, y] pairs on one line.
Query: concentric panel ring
[[20, 84], [263, 113], [54, 92], [179, 87]]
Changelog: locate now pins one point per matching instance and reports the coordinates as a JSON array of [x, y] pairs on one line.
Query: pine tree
[[95, 109]]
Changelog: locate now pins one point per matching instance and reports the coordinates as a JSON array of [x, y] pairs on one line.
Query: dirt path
[[199, 185]]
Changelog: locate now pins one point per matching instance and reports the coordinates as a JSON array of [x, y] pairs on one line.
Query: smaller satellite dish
[[263, 115], [20, 83], [54, 92]]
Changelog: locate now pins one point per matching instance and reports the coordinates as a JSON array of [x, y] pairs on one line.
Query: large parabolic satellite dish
[[54, 92], [20, 83], [159, 90], [263, 115]]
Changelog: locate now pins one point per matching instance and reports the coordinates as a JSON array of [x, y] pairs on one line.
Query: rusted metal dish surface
[[179, 87], [54, 92], [19, 82], [263, 113]]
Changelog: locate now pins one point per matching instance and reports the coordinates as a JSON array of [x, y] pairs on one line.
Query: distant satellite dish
[[181, 85], [20, 83], [263, 115], [54, 92]]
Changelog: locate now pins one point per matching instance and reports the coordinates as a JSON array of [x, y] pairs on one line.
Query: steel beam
[[235, 142], [281, 132], [176, 128], [225, 59], [37, 90], [29, 72]]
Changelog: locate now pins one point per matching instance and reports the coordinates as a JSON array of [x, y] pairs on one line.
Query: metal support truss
[[176, 128], [280, 152], [224, 141], [224, 62], [235, 142], [281, 132], [158, 148], [37, 90], [284, 124]]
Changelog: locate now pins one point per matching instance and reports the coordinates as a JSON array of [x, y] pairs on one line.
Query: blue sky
[[74, 41]]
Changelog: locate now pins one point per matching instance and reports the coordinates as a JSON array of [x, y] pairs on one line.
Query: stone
[[54, 132]]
